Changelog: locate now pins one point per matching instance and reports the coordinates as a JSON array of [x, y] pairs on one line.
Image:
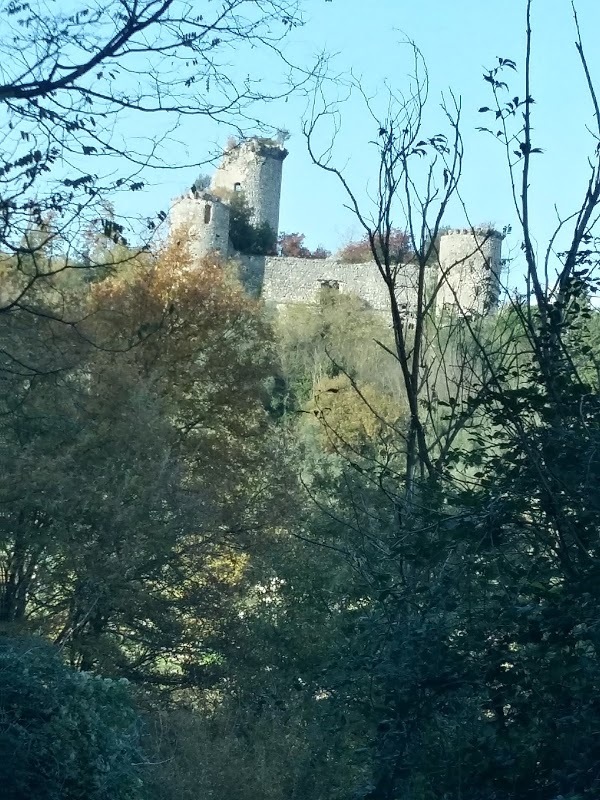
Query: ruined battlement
[[467, 272], [284, 280], [479, 231], [254, 168], [259, 146]]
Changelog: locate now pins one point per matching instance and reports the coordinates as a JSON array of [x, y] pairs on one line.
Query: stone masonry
[[253, 167], [290, 281], [468, 272], [206, 217]]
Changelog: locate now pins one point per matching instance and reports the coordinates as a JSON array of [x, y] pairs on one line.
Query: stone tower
[[206, 217], [470, 267], [253, 167]]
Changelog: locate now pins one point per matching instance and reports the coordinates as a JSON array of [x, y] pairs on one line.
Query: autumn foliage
[[292, 245], [360, 250], [148, 462], [202, 340]]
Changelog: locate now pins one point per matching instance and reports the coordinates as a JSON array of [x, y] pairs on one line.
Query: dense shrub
[[63, 734], [246, 237]]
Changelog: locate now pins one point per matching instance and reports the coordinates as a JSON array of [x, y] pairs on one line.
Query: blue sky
[[458, 39]]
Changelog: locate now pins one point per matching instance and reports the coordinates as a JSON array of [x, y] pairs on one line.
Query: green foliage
[[143, 496], [201, 183], [413, 618], [246, 237], [63, 734], [51, 117], [339, 334], [459, 633], [161, 538], [271, 749]]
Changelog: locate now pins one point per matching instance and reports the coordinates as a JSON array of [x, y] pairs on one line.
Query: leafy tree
[[64, 734], [322, 341], [292, 245], [81, 71], [137, 535], [473, 661], [247, 747], [359, 252], [201, 183], [353, 416]]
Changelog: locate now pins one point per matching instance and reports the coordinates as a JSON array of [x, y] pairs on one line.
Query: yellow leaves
[[229, 567], [352, 416], [187, 332], [175, 290]]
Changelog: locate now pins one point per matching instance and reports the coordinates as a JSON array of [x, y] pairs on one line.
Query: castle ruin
[[467, 272]]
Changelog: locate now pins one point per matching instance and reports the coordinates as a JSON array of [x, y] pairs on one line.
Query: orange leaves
[[395, 250], [353, 416], [187, 331]]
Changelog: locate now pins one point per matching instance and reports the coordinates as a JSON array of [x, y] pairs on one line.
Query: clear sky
[[458, 39]]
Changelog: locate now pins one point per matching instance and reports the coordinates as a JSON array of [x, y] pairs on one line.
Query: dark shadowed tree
[[64, 734], [475, 554]]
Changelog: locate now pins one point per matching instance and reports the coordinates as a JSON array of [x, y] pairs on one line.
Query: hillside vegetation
[[205, 500], [310, 553]]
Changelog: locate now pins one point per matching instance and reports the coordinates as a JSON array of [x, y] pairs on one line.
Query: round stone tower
[[470, 263], [206, 218], [253, 167]]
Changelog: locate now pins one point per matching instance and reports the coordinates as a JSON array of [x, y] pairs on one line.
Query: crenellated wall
[[467, 276], [289, 281]]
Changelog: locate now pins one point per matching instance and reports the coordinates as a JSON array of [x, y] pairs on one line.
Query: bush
[[255, 240], [63, 734]]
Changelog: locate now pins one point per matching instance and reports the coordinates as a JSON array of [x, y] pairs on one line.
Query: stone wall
[[469, 268], [289, 281], [468, 277], [469, 271]]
